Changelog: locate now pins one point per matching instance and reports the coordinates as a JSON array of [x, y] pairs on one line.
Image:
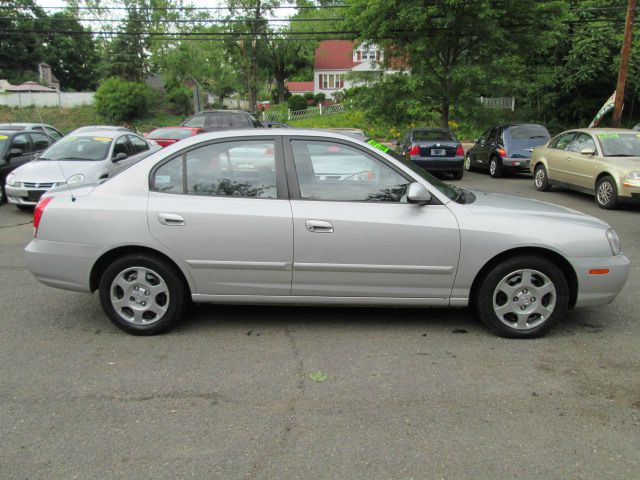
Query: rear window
[[229, 121], [434, 135], [525, 132], [179, 133]]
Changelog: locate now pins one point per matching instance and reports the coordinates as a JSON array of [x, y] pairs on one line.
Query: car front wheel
[[142, 294], [541, 179], [607, 193], [523, 297]]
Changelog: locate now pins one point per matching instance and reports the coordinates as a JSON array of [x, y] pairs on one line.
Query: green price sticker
[[378, 145], [608, 135]]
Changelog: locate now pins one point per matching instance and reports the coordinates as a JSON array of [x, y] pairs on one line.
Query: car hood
[[51, 171], [505, 206], [631, 164]]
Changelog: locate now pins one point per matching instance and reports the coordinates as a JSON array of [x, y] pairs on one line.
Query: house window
[[331, 81], [358, 56]]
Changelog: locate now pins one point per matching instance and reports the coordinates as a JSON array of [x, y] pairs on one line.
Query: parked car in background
[[252, 217], [78, 158], [598, 161], [214, 120], [275, 125], [93, 128], [166, 136], [38, 127], [18, 147], [506, 148], [434, 149]]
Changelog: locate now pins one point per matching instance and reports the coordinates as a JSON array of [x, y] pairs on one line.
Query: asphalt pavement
[[245, 392]]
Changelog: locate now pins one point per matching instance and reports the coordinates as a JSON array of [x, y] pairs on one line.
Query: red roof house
[[299, 88]]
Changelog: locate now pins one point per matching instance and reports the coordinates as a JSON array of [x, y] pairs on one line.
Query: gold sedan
[[604, 162]]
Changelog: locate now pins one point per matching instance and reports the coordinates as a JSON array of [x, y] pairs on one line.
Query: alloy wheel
[[605, 192], [524, 299], [540, 177]]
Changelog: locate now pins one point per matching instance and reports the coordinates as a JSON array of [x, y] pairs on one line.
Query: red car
[[166, 136]]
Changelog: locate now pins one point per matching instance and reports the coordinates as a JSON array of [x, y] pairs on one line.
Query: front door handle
[[318, 226], [170, 219]]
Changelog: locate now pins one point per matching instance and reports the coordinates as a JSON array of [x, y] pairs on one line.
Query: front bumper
[[62, 265], [439, 163], [24, 196], [630, 190], [600, 289]]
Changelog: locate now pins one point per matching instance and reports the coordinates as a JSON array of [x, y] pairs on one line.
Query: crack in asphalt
[[290, 419], [16, 225]]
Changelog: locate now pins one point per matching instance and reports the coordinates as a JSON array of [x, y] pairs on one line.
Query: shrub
[[319, 97], [308, 96], [117, 100], [181, 100], [297, 102]]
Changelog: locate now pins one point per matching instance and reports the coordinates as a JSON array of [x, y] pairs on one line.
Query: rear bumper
[[61, 265], [519, 164], [600, 289], [439, 163]]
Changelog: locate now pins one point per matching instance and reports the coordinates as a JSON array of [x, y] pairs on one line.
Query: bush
[[308, 96], [119, 101], [181, 100], [296, 103], [319, 97]]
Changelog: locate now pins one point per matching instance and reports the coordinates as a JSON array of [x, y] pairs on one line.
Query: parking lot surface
[[245, 392]]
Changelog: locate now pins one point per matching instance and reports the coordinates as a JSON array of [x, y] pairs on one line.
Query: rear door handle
[[318, 226], [170, 219]]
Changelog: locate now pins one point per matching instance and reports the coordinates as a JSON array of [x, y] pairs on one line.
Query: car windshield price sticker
[[102, 139], [608, 135], [3, 137], [378, 145]]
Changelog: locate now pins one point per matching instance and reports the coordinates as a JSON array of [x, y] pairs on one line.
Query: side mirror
[[120, 156], [587, 151], [418, 193], [14, 152]]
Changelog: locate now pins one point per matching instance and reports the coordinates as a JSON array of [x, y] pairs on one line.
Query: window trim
[[282, 192], [292, 175], [555, 140]]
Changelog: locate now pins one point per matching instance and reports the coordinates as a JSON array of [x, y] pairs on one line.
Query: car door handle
[[170, 219], [318, 226]]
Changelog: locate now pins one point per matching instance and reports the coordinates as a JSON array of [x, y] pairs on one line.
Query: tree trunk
[[253, 71], [444, 119]]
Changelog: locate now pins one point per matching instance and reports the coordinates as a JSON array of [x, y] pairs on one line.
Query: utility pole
[[624, 63], [253, 72]]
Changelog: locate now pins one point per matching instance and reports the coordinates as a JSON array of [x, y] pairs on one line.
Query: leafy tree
[[117, 100]]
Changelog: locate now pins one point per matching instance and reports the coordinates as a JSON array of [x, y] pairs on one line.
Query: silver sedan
[[306, 217]]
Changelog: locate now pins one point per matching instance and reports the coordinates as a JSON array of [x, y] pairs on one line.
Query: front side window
[[121, 146], [233, 169], [40, 141], [21, 142], [336, 172], [580, 142]]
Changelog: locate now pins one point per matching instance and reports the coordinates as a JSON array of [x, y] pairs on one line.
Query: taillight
[[38, 211], [459, 151], [414, 151], [502, 152]]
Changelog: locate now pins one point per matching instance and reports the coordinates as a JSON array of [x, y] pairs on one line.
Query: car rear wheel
[[495, 167], [523, 297], [541, 179], [607, 193], [142, 294], [457, 174]]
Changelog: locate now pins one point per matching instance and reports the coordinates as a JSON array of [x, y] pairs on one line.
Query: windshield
[[79, 149], [171, 133], [432, 135], [620, 144], [525, 132], [4, 139]]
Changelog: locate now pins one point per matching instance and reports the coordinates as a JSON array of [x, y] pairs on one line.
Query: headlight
[[77, 178], [632, 179], [11, 179], [614, 241]]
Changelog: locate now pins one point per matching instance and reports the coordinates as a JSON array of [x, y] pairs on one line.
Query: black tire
[[607, 193], [170, 297], [520, 314], [3, 196], [495, 167], [25, 208], [468, 165], [457, 174], [541, 178]]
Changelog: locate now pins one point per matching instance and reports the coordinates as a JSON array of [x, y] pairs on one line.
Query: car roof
[[602, 130], [21, 126], [8, 132], [89, 128], [221, 112], [103, 133]]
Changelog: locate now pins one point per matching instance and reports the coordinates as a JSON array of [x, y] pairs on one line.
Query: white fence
[[46, 99], [279, 116], [508, 103]]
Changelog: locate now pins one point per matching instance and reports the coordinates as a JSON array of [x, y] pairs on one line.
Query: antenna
[[64, 176]]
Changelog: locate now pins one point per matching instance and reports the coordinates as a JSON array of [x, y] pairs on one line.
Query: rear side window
[[138, 145], [562, 141], [22, 142], [233, 169], [526, 132]]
